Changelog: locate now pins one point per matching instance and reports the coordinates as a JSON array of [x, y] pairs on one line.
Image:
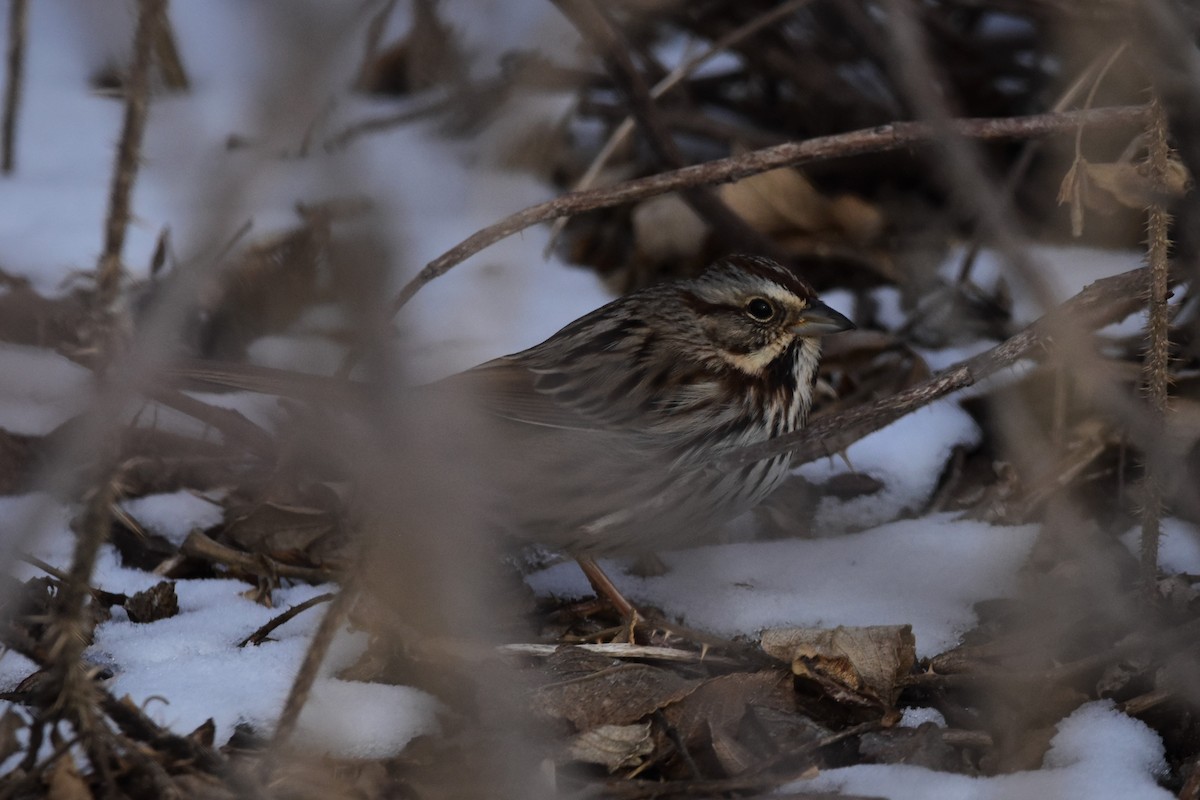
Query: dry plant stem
[[197, 545], [75, 691], [233, 425], [375, 30], [960, 165], [884, 138], [1093, 73], [1155, 364], [606, 588], [604, 37], [621, 133], [166, 52], [260, 635], [759, 779], [1170, 59], [18, 14], [137, 96], [1100, 303], [307, 674], [374, 124]]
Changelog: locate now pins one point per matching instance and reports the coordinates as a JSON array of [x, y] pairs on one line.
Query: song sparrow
[[613, 427], [609, 434]]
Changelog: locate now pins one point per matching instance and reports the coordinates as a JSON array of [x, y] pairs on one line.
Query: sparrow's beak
[[819, 319]]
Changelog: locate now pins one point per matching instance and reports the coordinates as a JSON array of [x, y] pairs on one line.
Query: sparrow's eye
[[760, 309]]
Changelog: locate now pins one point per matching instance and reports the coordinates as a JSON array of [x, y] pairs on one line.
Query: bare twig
[[197, 545], [237, 429], [18, 14], [375, 124], [1101, 303], [1094, 73], [374, 35], [166, 51], [307, 675], [137, 95], [1155, 367], [260, 635], [884, 138], [614, 51], [621, 133], [1169, 56], [69, 681]]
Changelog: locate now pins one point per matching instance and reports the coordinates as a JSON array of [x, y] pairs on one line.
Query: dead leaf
[[666, 228], [923, 746], [19, 457], [854, 664], [157, 602], [613, 746], [65, 783], [778, 200], [615, 696], [713, 714], [284, 532], [1072, 191], [784, 201], [1110, 186], [10, 723]]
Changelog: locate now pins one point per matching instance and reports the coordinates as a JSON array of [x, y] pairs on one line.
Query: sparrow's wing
[[507, 388]]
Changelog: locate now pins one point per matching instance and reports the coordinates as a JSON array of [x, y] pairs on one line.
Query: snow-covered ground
[[435, 192]]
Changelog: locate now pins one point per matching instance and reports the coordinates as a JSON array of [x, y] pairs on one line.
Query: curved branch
[[883, 138]]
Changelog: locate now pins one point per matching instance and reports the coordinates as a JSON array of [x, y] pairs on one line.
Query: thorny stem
[[1154, 368], [75, 698], [137, 91]]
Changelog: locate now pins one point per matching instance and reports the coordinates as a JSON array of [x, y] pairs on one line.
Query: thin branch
[[137, 94], [623, 130], [166, 51], [260, 635], [1155, 366], [884, 138], [734, 231], [197, 545], [307, 674], [18, 15], [1101, 303]]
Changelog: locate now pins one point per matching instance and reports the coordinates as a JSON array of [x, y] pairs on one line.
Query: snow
[[52, 389], [1178, 547], [926, 572], [1064, 269], [907, 457], [434, 191], [174, 515], [1097, 753]]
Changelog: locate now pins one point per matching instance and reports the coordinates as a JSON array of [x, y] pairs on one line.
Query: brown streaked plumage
[[611, 428]]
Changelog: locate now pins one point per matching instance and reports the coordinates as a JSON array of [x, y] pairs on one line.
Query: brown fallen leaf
[[613, 746], [157, 602], [854, 665], [65, 783], [10, 723], [615, 696], [1108, 187], [784, 200], [713, 714]]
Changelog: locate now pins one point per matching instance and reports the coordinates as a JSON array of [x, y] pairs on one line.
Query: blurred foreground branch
[[15, 62]]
